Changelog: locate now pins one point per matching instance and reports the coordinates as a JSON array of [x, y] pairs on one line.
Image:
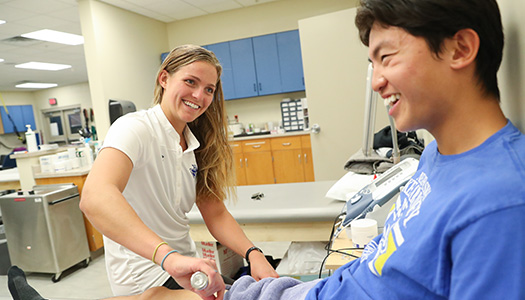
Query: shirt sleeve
[[127, 134], [489, 257]]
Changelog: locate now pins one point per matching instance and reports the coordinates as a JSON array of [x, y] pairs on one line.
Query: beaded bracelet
[[156, 249], [162, 263]]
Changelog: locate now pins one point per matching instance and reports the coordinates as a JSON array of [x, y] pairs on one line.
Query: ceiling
[[23, 16]]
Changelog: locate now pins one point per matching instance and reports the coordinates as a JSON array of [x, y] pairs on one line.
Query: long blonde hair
[[216, 177]]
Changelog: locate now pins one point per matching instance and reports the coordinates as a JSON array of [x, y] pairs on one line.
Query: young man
[[457, 230]]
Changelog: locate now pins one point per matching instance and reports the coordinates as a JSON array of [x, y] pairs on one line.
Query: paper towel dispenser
[[119, 108]]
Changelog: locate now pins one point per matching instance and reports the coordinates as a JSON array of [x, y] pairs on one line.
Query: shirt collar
[[191, 140]]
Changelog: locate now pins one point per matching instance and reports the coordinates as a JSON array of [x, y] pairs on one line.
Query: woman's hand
[[260, 267], [182, 267]]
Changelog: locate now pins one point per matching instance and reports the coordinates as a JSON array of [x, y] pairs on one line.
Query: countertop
[[40, 152], [268, 135], [74, 172]]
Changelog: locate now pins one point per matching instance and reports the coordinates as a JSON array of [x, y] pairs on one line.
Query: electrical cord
[[329, 251]]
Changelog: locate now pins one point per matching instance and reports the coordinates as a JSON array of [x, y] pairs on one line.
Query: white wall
[[512, 73], [122, 55], [247, 22], [335, 66]]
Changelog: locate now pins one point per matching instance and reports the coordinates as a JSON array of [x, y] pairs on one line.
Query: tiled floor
[[76, 283], [91, 282]]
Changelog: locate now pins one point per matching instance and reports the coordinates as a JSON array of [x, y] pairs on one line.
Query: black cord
[[337, 222]]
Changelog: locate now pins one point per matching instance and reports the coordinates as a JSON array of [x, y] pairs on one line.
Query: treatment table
[[296, 212]]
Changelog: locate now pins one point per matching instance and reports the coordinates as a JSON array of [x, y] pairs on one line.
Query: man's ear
[[465, 46], [163, 78]]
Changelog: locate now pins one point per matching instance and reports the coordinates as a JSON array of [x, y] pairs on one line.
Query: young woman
[[154, 165]]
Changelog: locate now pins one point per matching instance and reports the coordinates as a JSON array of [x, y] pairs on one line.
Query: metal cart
[[45, 229]]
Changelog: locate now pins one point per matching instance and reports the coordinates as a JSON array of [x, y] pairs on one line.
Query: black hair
[[436, 20]]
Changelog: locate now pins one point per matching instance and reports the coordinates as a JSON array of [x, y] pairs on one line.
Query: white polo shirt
[[161, 189]]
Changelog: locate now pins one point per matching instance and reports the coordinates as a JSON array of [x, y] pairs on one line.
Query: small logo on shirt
[[193, 170]]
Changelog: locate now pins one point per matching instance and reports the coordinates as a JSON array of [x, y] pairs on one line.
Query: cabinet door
[[290, 61], [258, 166], [240, 170], [222, 51], [287, 159], [288, 166], [308, 164], [238, 161], [21, 116], [267, 64], [29, 117], [243, 67]]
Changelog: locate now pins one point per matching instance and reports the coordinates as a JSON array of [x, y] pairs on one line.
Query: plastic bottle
[[31, 139]]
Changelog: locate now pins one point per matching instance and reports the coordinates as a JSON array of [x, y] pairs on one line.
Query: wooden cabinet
[[292, 159], [94, 237], [255, 162], [287, 159], [273, 160], [238, 161], [306, 147]]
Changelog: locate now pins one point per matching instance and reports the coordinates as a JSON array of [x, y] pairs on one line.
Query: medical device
[[374, 196], [371, 199]]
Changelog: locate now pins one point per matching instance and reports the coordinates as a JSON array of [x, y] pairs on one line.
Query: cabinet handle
[[260, 86], [287, 144], [299, 158], [305, 161], [240, 162], [255, 143], [256, 146], [255, 87], [246, 162]]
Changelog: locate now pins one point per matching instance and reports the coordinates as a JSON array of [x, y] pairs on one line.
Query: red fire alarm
[[53, 101]]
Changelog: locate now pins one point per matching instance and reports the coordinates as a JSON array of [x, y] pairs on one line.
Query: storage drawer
[[236, 147], [286, 143], [256, 145]]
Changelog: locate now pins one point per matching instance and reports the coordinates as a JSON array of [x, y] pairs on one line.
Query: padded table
[[287, 212]]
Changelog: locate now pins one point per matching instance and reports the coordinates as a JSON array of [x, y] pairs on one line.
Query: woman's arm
[[104, 205], [227, 231], [106, 208]]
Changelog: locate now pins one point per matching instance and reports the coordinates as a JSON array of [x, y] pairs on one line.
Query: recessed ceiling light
[[55, 37], [1, 59], [2, 22], [35, 85], [42, 66]]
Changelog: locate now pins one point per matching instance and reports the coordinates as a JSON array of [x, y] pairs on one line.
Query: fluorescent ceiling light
[[1, 59], [35, 85], [55, 37], [2, 22], [42, 66]]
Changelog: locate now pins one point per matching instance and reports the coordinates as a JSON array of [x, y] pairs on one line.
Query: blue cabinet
[[222, 52], [263, 65], [267, 64], [290, 61], [21, 115], [243, 65]]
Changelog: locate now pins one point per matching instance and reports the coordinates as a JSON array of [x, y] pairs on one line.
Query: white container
[[47, 163], [31, 140], [236, 128], [362, 231]]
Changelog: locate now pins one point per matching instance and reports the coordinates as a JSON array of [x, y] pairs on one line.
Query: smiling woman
[[153, 167]]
